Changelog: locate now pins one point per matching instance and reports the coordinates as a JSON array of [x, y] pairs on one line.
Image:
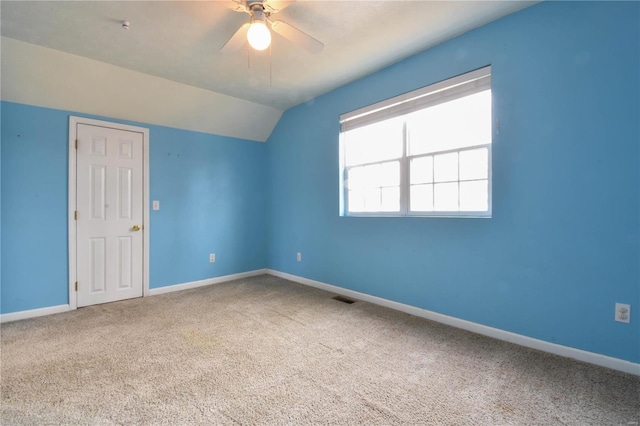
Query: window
[[424, 153]]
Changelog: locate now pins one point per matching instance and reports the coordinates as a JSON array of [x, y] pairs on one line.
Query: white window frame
[[443, 91]]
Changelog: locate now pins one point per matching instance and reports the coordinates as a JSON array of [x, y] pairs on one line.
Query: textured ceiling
[[181, 40]]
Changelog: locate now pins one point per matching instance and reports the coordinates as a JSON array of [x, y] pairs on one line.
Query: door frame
[[73, 128]]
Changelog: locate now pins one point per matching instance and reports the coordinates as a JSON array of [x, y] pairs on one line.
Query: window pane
[[451, 125], [372, 175], [422, 170], [389, 174], [474, 196], [391, 199], [356, 201], [372, 200], [421, 197], [374, 188], [357, 178], [474, 164], [446, 196], [445, 167], [375, 142], [375, 175]]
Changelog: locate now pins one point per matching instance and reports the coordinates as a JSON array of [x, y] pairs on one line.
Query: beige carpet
[[267, 351]]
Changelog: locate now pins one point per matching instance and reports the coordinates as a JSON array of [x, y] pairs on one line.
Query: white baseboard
[[553, 348], [32, 313], [518, 339], [208, 281]]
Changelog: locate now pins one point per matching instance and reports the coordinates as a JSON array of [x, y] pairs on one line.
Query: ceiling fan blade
[[239, 6], [273, 6], [298, 37], [237, 40]]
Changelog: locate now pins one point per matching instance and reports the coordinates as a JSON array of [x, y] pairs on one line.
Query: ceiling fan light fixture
[[259, 36]]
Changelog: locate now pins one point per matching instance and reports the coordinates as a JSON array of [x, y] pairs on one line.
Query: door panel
[[109, 204], [97, 191], [98, 260], [124, 262], [124, 192]]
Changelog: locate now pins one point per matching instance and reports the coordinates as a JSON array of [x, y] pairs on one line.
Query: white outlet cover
[[156, 205], [212, 257], [623, 313]]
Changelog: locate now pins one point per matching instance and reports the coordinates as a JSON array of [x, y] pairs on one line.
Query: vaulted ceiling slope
[[180, 41]]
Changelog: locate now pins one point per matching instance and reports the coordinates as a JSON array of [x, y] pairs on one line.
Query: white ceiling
[[181, 40]]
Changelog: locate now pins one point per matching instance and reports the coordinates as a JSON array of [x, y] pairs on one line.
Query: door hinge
[[76, 285], [76, 143], [75, 215]]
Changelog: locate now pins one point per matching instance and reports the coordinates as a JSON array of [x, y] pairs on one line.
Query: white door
[[109, 201]]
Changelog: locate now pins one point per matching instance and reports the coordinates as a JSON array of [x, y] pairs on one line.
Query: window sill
[[441, 215]]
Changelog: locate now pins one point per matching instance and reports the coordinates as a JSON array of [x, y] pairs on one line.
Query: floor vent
[[343, 299]]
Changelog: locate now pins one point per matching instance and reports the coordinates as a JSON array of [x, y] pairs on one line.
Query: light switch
[[156, 205]]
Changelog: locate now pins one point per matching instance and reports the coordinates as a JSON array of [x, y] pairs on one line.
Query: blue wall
[[563, 244], [212, 200]]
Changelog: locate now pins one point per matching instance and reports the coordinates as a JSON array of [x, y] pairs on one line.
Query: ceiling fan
[[257, 33]]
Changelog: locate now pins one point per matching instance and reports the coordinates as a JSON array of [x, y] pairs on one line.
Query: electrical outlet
[[212, 257], [299, 257], [156, 205], [623, 312]]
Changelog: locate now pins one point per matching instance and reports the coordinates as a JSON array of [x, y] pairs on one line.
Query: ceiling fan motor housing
[[257, 11], [255, 6]]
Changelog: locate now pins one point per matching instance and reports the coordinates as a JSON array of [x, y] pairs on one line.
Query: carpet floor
[[267, 351]]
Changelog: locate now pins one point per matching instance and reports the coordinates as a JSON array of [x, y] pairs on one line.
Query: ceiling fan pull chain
[[270, 62]]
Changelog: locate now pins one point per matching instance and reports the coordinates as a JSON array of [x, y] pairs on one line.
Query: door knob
[[136, 227]]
